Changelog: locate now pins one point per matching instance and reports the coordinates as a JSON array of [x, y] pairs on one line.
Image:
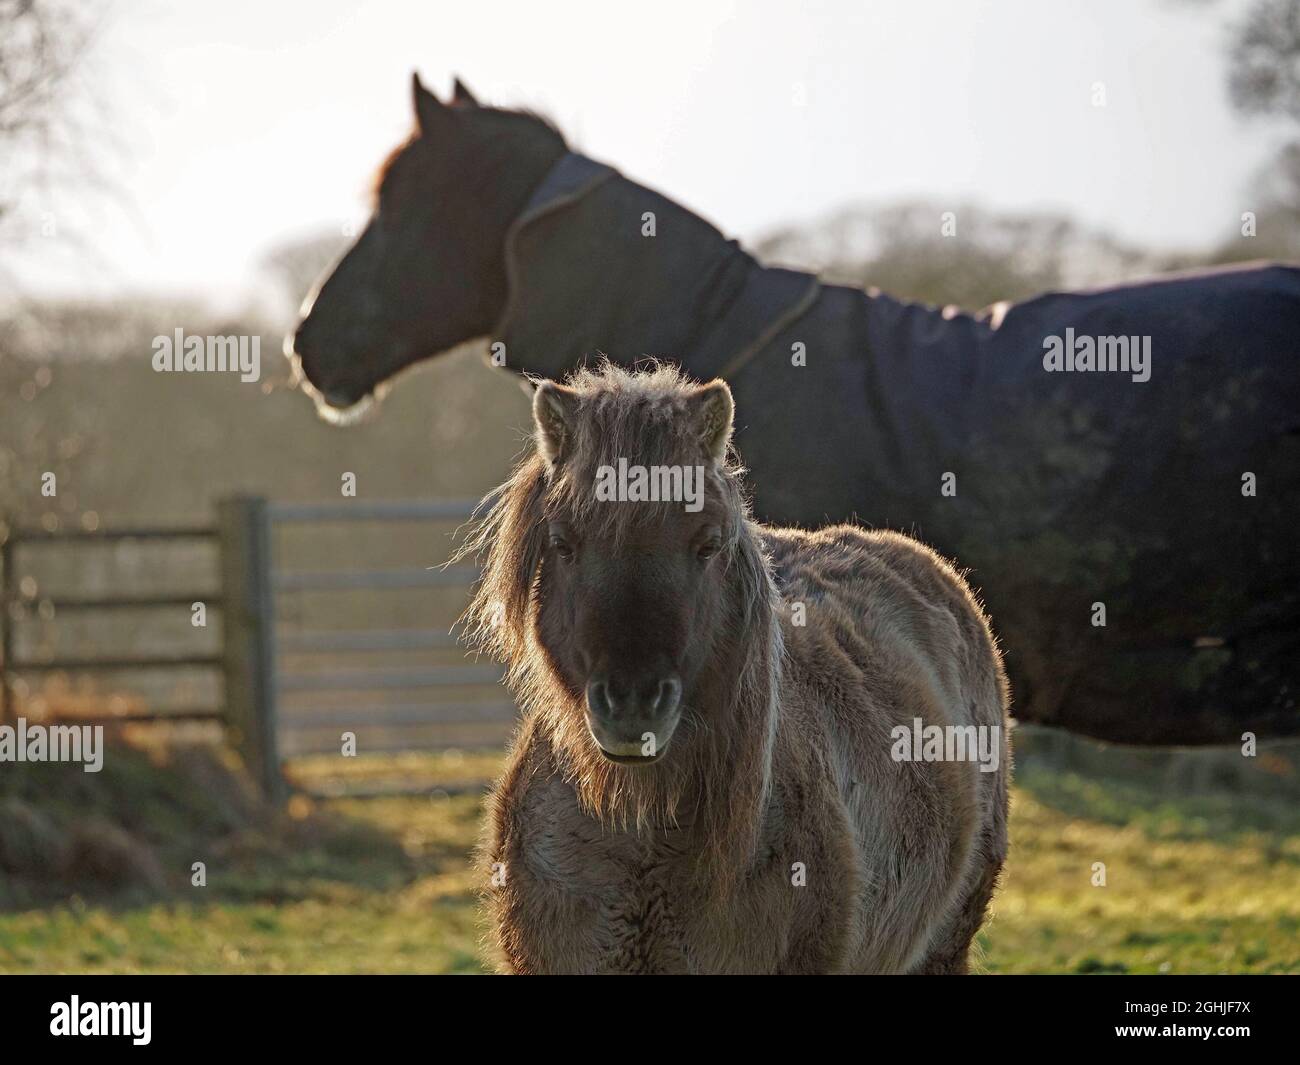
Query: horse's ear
[[553, 407], [714, 410], [431, 114], [461, 95]]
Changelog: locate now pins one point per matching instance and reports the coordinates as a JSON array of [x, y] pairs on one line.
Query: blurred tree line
[[1264, 84]]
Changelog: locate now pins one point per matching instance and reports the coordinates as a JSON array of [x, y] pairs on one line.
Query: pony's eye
[[562, 547], [709, 548]]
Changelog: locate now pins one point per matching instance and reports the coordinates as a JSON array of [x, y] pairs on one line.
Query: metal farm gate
[[362, 637], [334, 619]]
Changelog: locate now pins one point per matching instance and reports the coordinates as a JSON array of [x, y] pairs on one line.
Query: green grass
[[345, 885], [383, 887], [1201, 884]]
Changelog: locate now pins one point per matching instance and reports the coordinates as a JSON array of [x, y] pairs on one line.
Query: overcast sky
[[247, 121]]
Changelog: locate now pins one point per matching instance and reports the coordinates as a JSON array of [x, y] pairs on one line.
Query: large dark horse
[[1119, 469]]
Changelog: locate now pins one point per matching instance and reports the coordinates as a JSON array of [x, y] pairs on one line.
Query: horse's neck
[[600, 263]]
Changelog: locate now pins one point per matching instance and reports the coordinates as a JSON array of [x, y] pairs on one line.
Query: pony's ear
[[553, 407], [713, 410], [431, 114], [461, 96]]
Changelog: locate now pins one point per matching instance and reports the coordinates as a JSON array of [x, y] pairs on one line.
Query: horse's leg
[[949, 952]]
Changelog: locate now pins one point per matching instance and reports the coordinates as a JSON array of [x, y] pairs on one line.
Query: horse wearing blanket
[[1119, 469]]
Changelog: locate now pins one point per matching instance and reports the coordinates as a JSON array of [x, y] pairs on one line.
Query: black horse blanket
[[1119, 469]]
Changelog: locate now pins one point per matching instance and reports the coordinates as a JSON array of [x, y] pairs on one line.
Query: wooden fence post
[[8, 595], [248, 620]]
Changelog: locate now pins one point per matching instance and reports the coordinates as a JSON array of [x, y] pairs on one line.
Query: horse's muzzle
[[632, 722]]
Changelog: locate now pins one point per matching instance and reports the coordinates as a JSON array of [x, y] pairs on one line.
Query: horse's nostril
[[611, 701], [598, 701], [666, 696]]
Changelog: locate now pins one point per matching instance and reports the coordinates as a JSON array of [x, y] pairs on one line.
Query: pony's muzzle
[[632, 722]]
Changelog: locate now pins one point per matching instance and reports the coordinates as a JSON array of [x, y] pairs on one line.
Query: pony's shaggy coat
[[777, 833]]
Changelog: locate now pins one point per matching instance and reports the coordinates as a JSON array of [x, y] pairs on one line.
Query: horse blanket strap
[[773, 301]]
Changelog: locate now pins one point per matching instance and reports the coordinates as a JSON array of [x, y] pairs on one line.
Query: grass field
[[95, 876]]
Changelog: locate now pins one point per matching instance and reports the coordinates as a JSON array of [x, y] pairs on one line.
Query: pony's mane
[[718, 776]]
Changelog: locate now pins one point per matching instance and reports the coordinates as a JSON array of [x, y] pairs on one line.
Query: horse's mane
[[717, 779], [386, 165]]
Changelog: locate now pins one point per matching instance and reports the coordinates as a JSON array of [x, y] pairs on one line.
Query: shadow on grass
[[129, 836], [1212, 795]]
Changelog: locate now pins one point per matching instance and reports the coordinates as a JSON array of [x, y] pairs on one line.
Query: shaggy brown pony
[[718, 767]]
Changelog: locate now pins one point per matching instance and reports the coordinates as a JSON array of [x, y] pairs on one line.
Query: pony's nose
[[632, 723], [619, 702], [598, 700]]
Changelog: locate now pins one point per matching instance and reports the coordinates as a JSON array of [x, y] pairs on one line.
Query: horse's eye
[[709, 548], [562, 547]]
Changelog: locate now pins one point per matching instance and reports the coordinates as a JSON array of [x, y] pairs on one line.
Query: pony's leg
[[949, 952]]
